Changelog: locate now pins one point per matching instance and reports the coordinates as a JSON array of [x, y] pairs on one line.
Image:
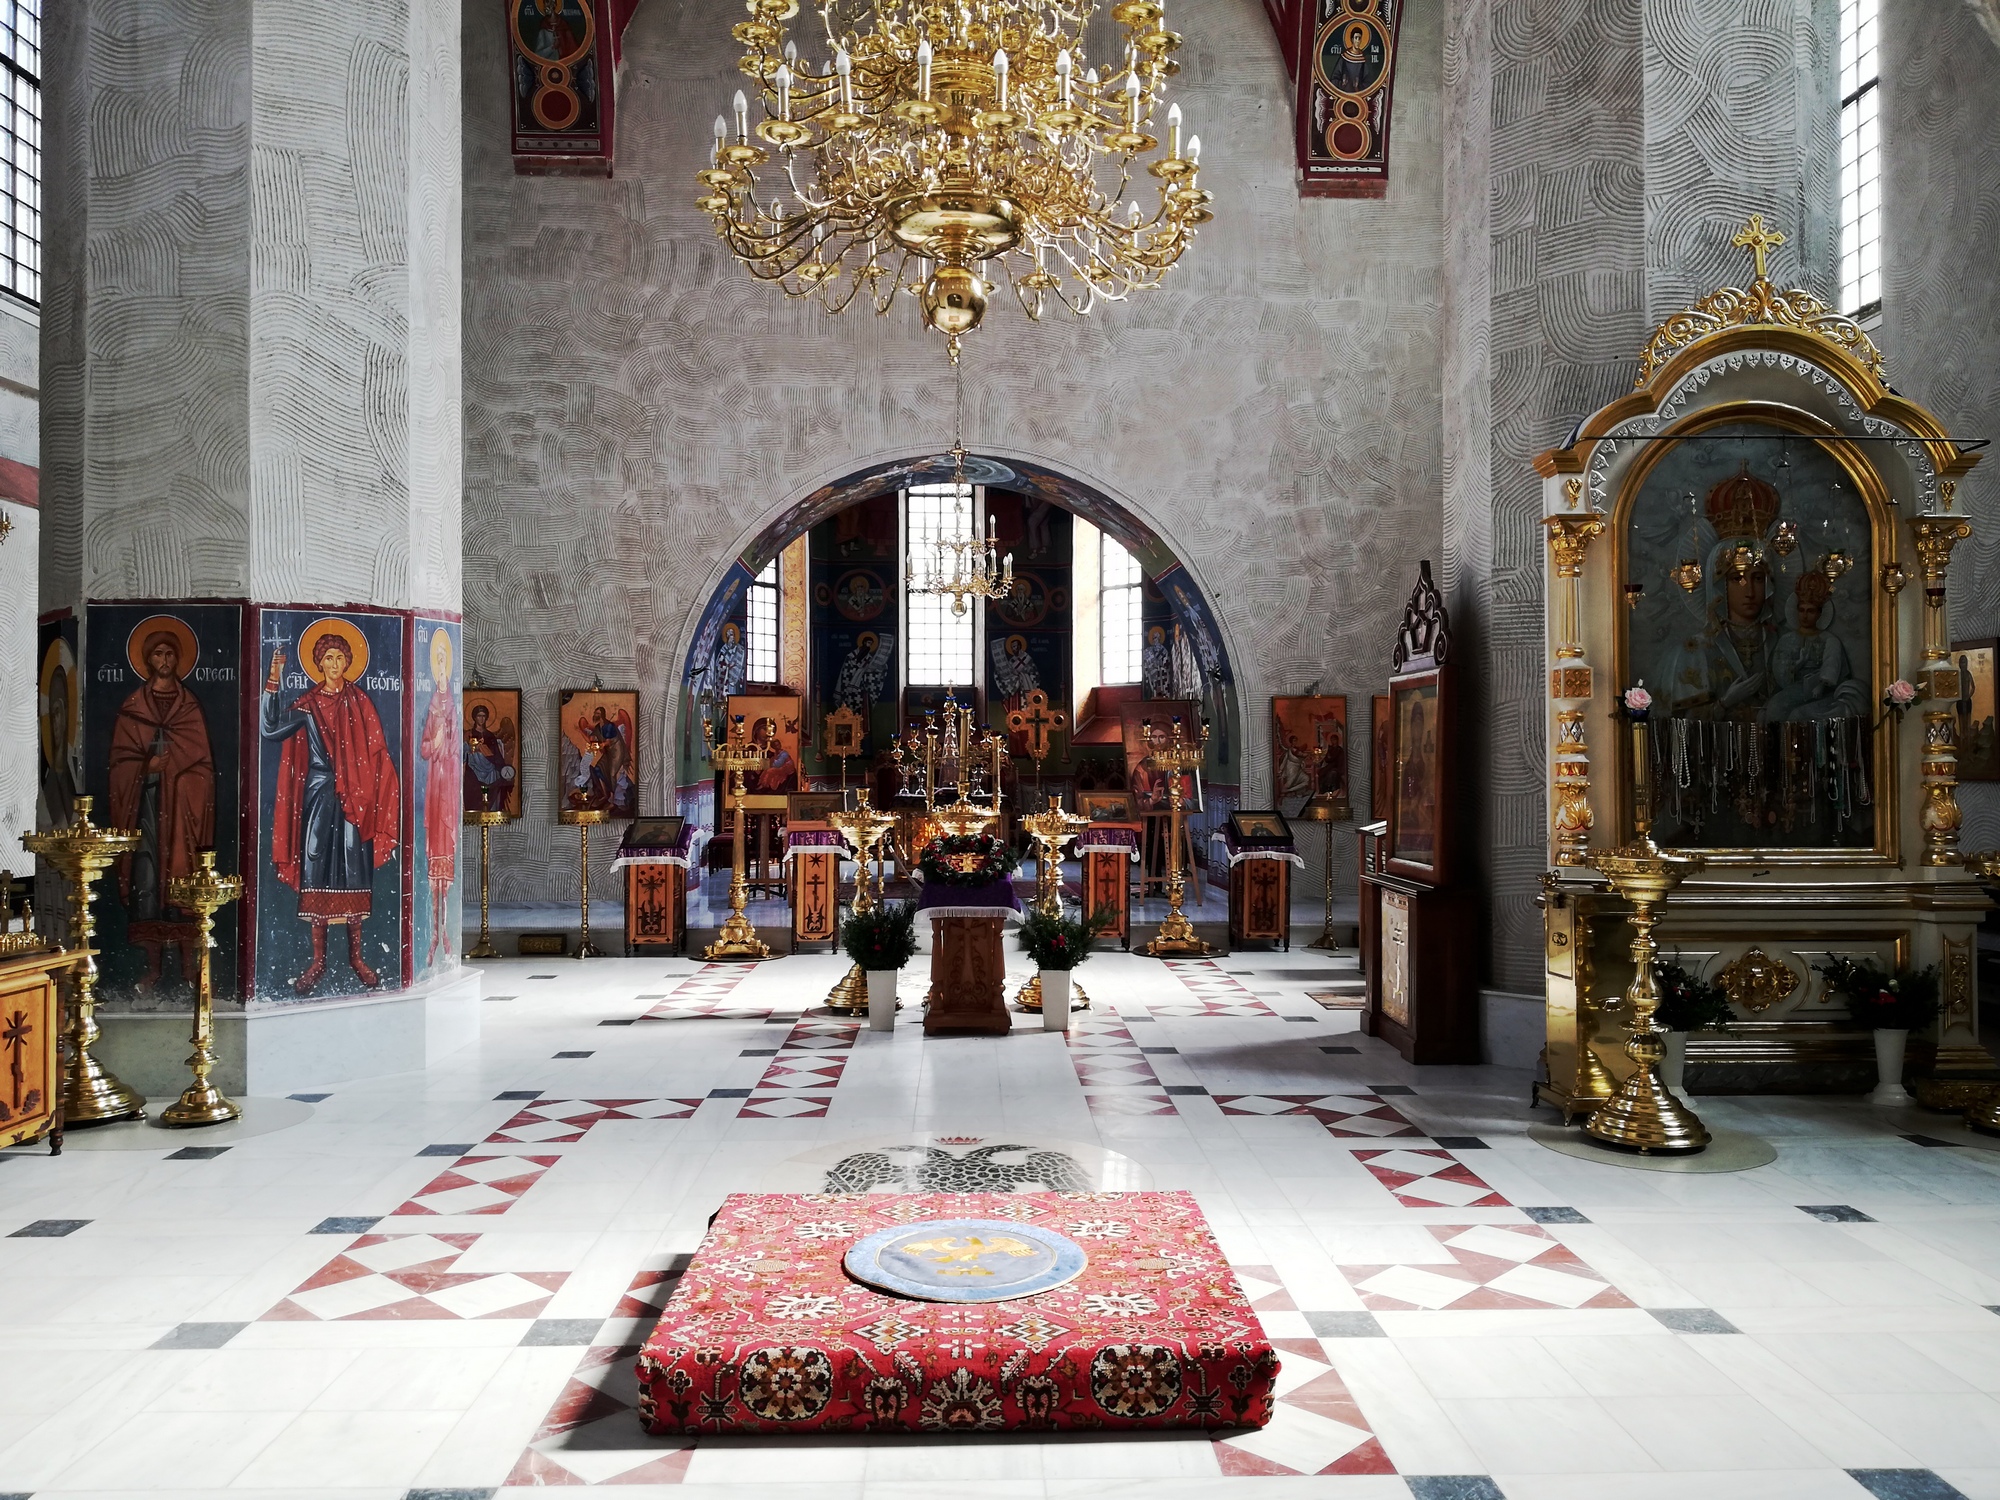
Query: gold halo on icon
[[171, 625], [58, 658], [357, 647], [441, 657]]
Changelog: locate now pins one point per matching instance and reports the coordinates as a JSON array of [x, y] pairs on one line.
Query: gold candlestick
[[1644, 1115], [83, 851], [1051, 829], [486, 820], [1175, 755], [864, 828], [737, 753], [582, 818], [203, 893]]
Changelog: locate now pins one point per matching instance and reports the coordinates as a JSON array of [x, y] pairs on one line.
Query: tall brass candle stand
[[1051, 828], [1175, 755], [83, 851], [1644, 1115], [864, 828], [582, 819], [737, 753], [487, 819], [203, 893]]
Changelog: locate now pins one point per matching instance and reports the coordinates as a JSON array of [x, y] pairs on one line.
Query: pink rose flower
[[1901, 694], [1638, 700]]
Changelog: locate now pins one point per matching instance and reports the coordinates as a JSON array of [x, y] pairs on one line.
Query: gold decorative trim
[[1957, 980], [1756, 981], [1734, 307]]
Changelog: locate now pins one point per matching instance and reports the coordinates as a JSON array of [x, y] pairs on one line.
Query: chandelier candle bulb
[[742, 117], [955, 138], [1194, 151]]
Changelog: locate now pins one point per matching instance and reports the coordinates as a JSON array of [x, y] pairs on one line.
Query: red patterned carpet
[[767, 1333]]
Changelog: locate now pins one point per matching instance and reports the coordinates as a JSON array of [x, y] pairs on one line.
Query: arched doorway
[[838, 600]]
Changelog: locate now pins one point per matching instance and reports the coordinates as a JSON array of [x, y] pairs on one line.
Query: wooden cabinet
[[655, 908], [31, 1048], [1260, 901], [1420, 946]]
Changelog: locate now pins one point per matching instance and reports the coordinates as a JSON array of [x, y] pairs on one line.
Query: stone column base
[[268, 1049]]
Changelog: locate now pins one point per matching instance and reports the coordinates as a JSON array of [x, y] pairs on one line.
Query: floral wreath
[[967, 859]]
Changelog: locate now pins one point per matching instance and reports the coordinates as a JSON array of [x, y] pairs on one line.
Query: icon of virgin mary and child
[[1740, 662]]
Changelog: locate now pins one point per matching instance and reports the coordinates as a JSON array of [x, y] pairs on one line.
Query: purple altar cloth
[[996, 898], [679, 852], [1108, 841]]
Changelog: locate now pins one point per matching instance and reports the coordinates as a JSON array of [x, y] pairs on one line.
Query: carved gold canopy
[[1763, 303]]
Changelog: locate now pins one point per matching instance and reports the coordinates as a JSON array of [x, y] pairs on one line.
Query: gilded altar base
[[1762, 942], [1759, 536]]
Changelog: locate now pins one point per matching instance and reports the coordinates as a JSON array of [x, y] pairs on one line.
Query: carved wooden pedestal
[[1107, 887], [655, 908], [968, 974], [814, 889], [1260, 901]]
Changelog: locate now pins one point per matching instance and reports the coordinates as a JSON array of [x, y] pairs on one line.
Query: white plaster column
[[253, 372]]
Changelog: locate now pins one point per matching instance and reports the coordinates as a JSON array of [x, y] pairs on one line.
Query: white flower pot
[[1055, 999], [1889, 1044], [882, 999], [1673, 1067]]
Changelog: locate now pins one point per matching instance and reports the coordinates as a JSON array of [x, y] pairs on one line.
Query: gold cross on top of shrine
[[1758, 240]]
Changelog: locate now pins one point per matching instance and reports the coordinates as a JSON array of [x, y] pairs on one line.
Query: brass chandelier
[[945, 138]]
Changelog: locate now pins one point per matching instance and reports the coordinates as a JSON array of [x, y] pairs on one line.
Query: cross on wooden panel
[[1037, 722]]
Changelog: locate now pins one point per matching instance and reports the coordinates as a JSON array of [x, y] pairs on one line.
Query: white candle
[[742, 116], [924, 69], [1000, 76], [1174, 131], [1063, 66]]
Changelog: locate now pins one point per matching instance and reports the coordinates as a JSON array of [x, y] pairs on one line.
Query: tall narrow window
[[1118, 600], [763, 664], [21, 148], [1860, 161], [940, 643]]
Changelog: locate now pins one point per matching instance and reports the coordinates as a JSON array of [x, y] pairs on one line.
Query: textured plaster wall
[[1601, 155], [1940, 331], [253, 294], [1547, 308], [637, 408], [1742, 115], [147, 263]]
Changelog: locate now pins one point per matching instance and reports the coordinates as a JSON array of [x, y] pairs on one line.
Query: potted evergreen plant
[[1057, 945], [1686, 1004], [881, 940], [1889, 1005]]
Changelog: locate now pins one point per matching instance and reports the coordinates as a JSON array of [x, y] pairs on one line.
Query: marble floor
[[429, 1285]]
